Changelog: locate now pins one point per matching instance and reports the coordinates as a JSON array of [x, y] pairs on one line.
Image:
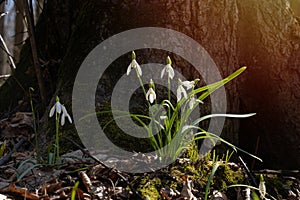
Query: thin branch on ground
[[5, 159]]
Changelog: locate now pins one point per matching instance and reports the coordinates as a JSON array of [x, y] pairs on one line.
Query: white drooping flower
[[262, 187], [188, 84], [59, 108], [180, 90], [163, 117], [134, 65], [56, 107], [150, 95], [168, 69], [192, 102], [64, 115]]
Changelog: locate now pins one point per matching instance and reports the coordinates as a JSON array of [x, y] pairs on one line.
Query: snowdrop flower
[[190, 84], [163, 117], [262, 187], [192, 102], [168, 68], [64, 115], [134, 65], [151, 96], [58, 108], [180, 90], [247, 194]]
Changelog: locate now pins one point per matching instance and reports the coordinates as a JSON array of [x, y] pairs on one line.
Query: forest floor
[[83, 177]]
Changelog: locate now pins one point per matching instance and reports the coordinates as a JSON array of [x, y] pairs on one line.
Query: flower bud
[[169, 61], [133, 56]]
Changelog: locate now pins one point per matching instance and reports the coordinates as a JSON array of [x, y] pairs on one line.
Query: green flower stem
[[169, 96], [34, 125], [57, 116], [141, 82]]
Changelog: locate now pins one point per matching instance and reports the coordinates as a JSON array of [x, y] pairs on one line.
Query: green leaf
[[215, 167], [222, 115], [254, 196], [214, 86], [2, 148], [74, 190], [27, 171]]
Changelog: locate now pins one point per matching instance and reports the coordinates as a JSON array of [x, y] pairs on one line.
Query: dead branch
[[36, 64]]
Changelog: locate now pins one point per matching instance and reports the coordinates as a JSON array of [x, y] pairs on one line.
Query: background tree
[[2, 59], [263, 35], [19, 33]]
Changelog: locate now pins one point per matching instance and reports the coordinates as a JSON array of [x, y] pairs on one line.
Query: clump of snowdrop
[[60, 113], [176, 117]]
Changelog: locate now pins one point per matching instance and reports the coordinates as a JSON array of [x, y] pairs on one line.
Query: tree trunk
[[295, 6], [19, 29], [5, 27], [2, 54], [38, 9], [269, 45], [261, 35]]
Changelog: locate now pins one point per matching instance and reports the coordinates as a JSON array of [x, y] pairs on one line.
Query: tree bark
[[19, 29], [269, 45], [2, 54]]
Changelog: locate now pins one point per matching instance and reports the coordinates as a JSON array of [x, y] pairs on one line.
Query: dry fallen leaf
[[186, 192], [219, 195], [22, 192]]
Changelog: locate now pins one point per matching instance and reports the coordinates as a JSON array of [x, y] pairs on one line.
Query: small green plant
[[30, 90], [20, 170], [58, 109], [74, 191], [2, 148], [211, 176]]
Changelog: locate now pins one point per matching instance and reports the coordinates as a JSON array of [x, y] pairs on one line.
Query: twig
[[279, 172], [104, 165], [4, 76], [256, 151], [10, 58], [5, 49], [248, 171], [36, 64], [39, 5]]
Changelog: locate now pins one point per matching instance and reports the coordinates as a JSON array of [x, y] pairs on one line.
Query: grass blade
[[211, 176]]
